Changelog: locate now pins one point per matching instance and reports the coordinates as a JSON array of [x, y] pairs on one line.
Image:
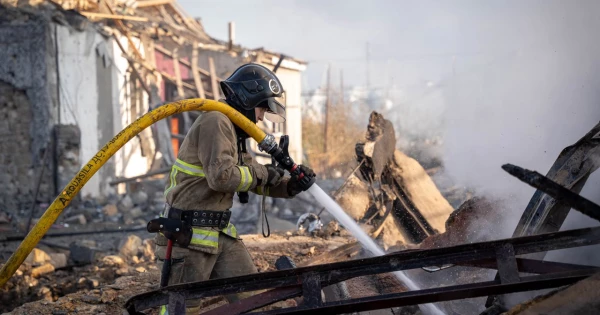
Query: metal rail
[[439, 294], [308, 281]]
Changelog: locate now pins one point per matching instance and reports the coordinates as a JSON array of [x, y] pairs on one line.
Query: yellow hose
[[92, 166]]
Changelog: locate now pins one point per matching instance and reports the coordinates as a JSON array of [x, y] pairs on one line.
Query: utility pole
[[342, 87], [327, 108], [367, 66]]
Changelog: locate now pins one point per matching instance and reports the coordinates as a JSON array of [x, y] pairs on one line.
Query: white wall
[[78, 91], [292, 83], [81, 103], [129, 161]]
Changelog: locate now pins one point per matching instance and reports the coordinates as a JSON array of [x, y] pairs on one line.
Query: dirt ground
[[104, 287]]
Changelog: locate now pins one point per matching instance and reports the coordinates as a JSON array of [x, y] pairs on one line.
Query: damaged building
[[74, 74]]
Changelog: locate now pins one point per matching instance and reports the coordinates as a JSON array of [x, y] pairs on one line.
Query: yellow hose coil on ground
[[94, 164]]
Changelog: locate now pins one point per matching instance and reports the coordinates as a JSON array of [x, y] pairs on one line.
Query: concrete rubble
[[105, 285]]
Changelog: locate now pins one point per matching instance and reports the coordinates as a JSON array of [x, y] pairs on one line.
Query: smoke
[[534, 92], [524, 107], [531, 91]]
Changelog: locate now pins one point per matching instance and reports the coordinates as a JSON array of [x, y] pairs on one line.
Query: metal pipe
[[62, 234], [131, 179]]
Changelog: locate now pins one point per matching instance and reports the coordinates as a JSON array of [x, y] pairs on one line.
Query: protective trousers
[[189, 265]]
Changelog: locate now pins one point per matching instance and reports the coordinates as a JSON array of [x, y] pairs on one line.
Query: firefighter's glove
[[274, 175], [294, 186]]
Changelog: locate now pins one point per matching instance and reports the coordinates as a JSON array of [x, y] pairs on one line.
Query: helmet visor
[[276, 110]]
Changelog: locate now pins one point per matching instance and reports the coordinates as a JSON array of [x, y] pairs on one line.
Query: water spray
[[281, 155], [339, 214]]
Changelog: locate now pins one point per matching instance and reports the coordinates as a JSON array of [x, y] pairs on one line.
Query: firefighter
[[212, 165]]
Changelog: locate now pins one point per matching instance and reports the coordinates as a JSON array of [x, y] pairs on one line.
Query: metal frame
[[308, 281]]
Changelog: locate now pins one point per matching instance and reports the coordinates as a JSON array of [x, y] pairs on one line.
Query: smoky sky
[[499, 81]]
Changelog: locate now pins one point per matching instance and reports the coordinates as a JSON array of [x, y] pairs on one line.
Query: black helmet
[[251, 86]]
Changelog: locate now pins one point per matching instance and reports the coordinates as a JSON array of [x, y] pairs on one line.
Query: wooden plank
[[167, 53], [178, 80], [197, 79], [152, 3], [167, 18], [423, 193], [507, 264], [149, 48], [152, 77], [125, 33], [94, 15], [172, 79], [213, 79], [165, 75], [181, 14], [132, 64]]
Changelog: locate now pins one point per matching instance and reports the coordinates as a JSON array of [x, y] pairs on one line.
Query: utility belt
[[202, 218]]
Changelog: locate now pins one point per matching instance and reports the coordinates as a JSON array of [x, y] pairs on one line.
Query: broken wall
[[100, 96], [79, 93], [24, 109], [129, 103], [59, 79]]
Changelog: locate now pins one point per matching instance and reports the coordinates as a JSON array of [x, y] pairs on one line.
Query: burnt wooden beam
[[177, 71], [555, 190], [434, 295], [195, 73], [336, 272], [213, 79], [281, 57], [571, 170]]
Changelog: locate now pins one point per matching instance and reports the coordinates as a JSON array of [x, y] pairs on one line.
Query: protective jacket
[[207, 174]]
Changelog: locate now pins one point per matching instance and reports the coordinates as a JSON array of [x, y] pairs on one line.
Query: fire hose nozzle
[[281, 154]]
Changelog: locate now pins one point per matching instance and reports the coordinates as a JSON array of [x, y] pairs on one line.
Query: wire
[[403, 57]]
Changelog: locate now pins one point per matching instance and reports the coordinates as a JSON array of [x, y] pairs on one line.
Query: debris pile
[[476, 220], [130, 210], [52, 272], [390, 193], [112, 278]]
